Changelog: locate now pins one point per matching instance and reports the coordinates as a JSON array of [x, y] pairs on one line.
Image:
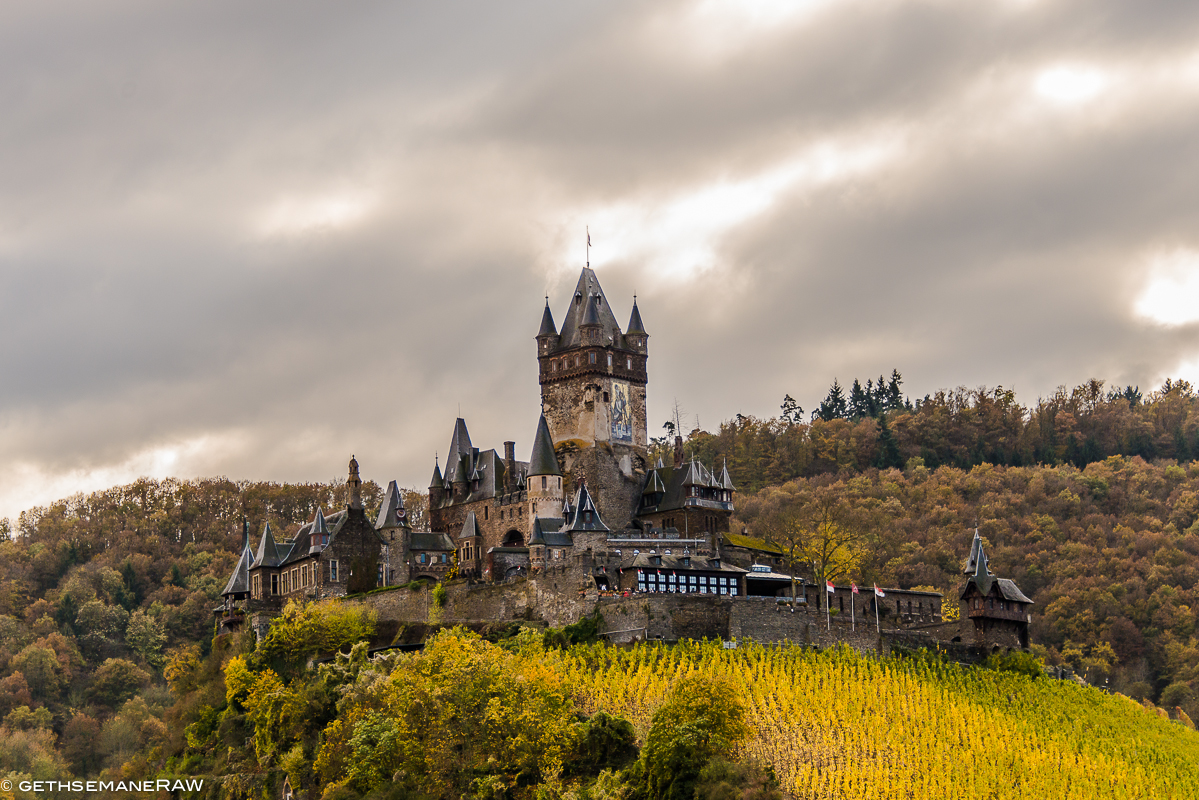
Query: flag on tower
[[878, 592], [853, 587]]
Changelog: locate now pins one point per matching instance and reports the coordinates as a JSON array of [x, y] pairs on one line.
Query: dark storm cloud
[[250, 239]]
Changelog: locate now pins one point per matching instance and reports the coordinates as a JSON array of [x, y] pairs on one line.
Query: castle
[[587, 507]]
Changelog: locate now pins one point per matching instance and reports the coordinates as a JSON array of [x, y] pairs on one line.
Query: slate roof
[[436, 482], [470, 527], [424, 540], [985, 580], [724, 480], [976, 548], [676, 482], [587, 288], [391, 512], [635, 325], [469, 465], [318, 529], [268, 551], [1010, 591], [543, 461], [239, 581], [547, 322], [549, 531], [586, 515]]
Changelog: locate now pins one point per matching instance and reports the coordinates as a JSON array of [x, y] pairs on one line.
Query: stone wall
[[562, 596]]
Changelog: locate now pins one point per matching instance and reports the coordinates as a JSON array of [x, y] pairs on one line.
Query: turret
[[547, 336], [590, 328], [354, 484], [318, 538], [537, 547], [436, 486], [635, 336], [544, 481]]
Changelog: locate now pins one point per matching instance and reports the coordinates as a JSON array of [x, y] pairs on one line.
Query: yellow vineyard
[[835, 724]]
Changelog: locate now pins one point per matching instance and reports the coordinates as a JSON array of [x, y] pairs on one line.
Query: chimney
[[678, 452], [510, 466]]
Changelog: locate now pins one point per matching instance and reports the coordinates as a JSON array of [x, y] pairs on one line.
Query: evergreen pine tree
[[859, 401], [833, 406]]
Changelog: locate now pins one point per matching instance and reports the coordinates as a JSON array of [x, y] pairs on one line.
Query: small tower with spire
[[544, 481]]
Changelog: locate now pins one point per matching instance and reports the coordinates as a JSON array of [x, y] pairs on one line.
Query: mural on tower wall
[[622, 413]]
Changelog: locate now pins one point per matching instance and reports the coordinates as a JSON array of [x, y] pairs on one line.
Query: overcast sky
[[252, 239]]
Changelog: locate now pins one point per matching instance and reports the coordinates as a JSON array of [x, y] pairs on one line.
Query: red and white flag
[[853, 587], [878, 592], [829, 586]]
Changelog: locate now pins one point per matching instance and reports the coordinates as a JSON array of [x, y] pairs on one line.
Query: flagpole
[[853, 614], [828, 617]]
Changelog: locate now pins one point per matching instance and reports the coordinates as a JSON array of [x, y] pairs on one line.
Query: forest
[[1089, 500]]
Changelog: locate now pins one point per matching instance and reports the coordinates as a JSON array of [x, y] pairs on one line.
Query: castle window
[[628, 363], [591, 358], [544, 482], [576, 361], [587, 516], [605, 393], [443, 558], [609, 361], [274, 584], [554, 366], [333, 571]]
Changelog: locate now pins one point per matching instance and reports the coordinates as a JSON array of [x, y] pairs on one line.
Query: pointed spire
[[543, 461], [591, 314], [658, 464], [436, 482], [245, 533], [318, 537], [548, 328], [538, 536], [635, 324], [470, 527], [725, 481], [268, 551], [568, 512], [586, 515], [392, 513]]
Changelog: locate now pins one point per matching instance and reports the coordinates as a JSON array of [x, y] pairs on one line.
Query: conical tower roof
[[591, 315], [537, 537], [239, 581], [725, 481], [586, 515], [588, 294], [391, 513], [268, 551], [543, 461], [470, 527], [635, 325], [319, 530], [547, 322], [976, 553], [436, 482]]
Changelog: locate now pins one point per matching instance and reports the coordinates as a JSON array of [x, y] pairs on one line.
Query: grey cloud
[[141, 304]]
